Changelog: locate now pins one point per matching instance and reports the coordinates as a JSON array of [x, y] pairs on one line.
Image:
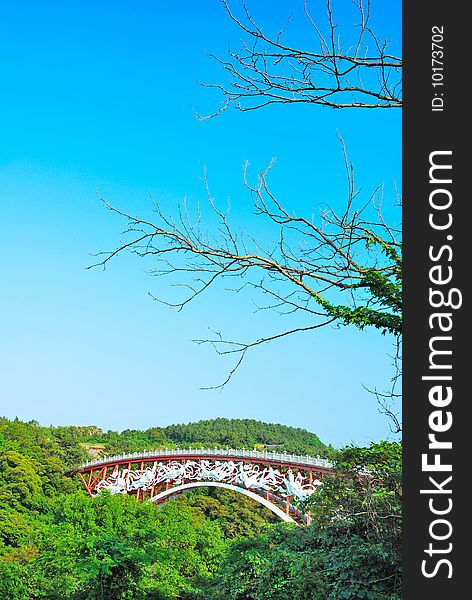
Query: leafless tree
[[352, 69], [388, 400], [334, 268]]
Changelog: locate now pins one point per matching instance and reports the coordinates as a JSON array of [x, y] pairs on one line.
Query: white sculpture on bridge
[[240, 474]]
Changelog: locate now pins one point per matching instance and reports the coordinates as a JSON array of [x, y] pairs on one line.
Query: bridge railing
[[309, 461]]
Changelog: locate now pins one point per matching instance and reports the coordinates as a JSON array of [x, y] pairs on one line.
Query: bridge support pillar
[[287, 505]]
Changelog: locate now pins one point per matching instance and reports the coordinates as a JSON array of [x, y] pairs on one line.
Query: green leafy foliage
[[367, 497], [289, 562], [351, 550], [220, 432], [57, 543], [237, 515]]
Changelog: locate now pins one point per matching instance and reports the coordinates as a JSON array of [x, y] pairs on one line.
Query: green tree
[[367, 497], [56, 542], [291, 562], [351, 550], [19, 479]]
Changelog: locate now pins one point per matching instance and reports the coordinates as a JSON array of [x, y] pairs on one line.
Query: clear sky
[[101, 95]]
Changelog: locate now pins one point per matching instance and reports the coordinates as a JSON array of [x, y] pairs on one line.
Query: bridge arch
[[275, 480], [197, 484]]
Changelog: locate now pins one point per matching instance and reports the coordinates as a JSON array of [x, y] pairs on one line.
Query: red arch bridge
[[275, 480]]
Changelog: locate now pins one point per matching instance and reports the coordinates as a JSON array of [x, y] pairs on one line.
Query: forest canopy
[[58, 543]]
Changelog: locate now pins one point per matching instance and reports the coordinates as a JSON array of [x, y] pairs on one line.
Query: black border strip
[[434, 121]]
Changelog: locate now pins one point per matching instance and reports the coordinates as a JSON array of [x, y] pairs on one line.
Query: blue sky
[[102, 96]]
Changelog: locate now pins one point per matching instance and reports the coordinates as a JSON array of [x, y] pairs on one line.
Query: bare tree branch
[[240, 348], [337, 72], [388, 401], [342, 269]]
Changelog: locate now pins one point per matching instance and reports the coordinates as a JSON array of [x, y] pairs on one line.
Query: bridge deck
[[202, 453]]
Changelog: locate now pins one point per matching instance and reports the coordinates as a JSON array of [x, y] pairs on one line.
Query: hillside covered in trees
[[58, 543], [222, 433]]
